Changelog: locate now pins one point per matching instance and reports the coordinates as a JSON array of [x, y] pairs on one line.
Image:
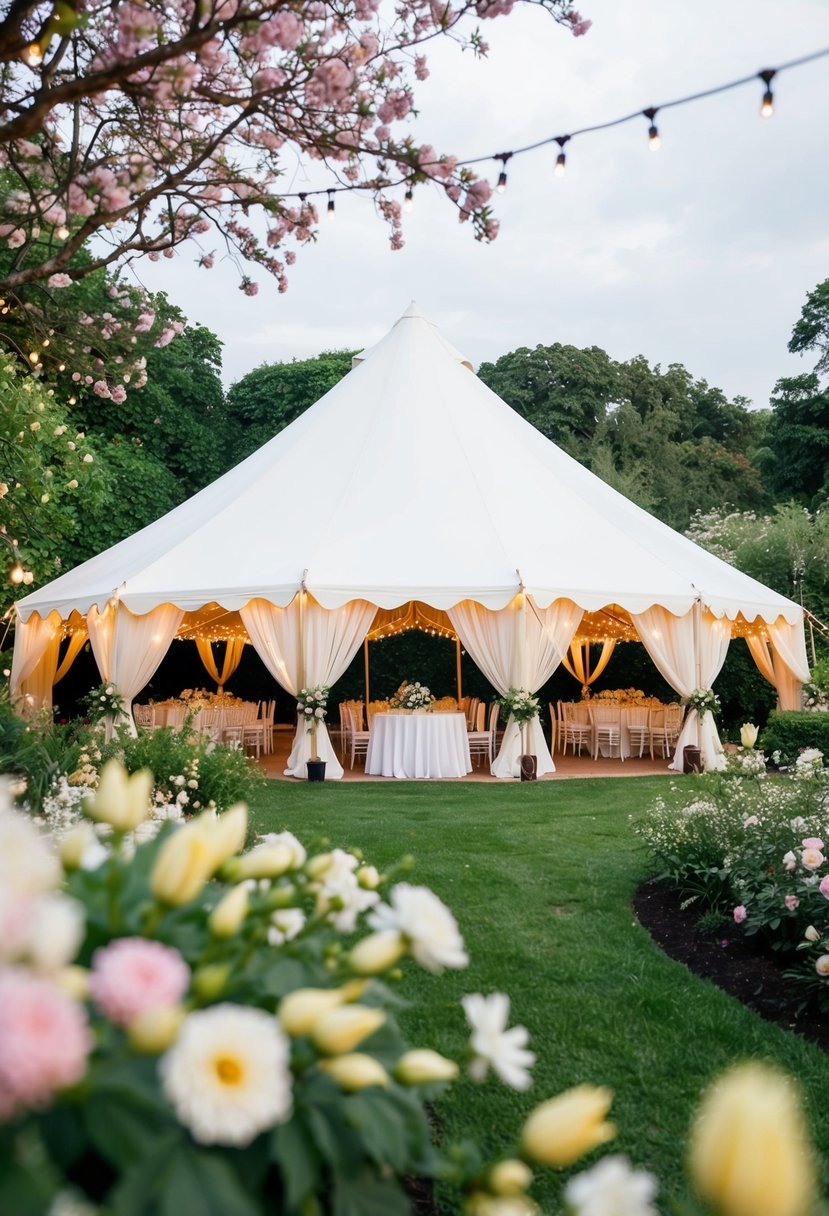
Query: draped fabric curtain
[[76, 642], [101, 627], [782, 660], [139, 643], [233, 656], [578, 662], [519, 647], [306, 645], [689, 652], [35, 659]]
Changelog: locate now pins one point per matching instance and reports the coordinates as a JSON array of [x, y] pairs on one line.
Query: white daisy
[[612, 1188], [427, 924], [227, 1076], [495, 1046]]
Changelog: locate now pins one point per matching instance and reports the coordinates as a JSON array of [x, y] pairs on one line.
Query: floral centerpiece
[[312, 704], [103, 702], [704, 701], [621, 696], [412, 695]]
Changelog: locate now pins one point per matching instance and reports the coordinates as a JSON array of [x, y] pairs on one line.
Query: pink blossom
[[44, 1041], [329, 83], [119, 394], [101, 388], [813, 842], [285, 29], [739, 914], [16, 239], [812, 858], [249, 287], [824, 886], [132, 975], [791, 902], [59, 280]]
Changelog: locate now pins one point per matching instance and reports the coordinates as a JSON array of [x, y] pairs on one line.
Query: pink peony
[[44, 1041], [739, 914], [59, 280], [813, 842], [792, 902], [132, 975], [812, 859], [824, 887]]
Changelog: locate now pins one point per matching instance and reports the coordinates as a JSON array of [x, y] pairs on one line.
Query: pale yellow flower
[[749, 1153], [300, 1011], [564, 1128], [121, 800], [510, 1177], [422, 1065], [154, 1030], [344, 1028], [228, 916], [377, 952], [184, 863], [355, 1071]]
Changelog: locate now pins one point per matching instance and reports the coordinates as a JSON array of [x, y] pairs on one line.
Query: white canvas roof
[[410, 479]]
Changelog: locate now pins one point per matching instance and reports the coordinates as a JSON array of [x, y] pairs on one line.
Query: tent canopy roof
[[409, 480]]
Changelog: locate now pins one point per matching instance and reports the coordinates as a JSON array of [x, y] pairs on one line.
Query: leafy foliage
[[789, 732]]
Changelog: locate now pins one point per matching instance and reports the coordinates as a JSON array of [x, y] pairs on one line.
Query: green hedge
[[788, 732]]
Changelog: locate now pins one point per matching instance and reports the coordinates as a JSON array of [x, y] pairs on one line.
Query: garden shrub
[[788, 732]]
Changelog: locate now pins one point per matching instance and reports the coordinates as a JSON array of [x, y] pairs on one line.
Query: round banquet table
[[418, 746]]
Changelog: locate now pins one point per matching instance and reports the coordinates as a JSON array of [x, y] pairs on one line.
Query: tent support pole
[[458, 668], [697, 610], [365, 664]]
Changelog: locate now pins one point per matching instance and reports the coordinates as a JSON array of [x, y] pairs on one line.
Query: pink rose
[[132, 975], [824, 886], [739, 914], [813, 842], [792, 902], [812, 858]]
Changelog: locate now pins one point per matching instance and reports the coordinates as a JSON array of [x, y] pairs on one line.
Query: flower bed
[[752, 850]]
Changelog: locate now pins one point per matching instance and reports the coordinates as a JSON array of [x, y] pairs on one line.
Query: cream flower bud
[[183, 865], [748, 1150], [368, 877], [121, 800], [377, 952], [355, 1071], [511, 1177], [211, 981], [318, 866], [74, 981], [811, 934], [343, 1029], [748, 734], [563, 1129], [154, 1030], [300, 1011], [75, 845], [56, 929], [422, 1065], [227, 832], [265, 861], [481, 1203], [227, 917]]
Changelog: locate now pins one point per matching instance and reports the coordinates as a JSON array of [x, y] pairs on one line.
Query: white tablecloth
[[418, 745], [627, 712]]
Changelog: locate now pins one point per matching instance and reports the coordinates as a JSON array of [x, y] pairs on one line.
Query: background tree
[[274, 394]]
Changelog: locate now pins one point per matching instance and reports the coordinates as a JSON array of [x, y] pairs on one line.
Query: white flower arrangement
[[312, 705], [523, 705], [704, 701], [412, 695]]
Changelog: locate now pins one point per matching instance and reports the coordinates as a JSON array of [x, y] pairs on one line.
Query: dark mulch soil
[[733, 962]]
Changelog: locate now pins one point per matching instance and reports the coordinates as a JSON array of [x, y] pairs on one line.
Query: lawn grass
[[540, 878]]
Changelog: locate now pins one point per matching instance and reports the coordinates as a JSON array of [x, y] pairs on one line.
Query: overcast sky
[[701, 253]]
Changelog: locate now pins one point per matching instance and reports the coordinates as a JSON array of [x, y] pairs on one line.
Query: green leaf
[[380, 1127], [367, 1195], [298, 1161], [178, 1179]]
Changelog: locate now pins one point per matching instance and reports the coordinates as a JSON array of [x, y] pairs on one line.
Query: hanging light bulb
[[654, 142], [767, 104], [561, 159], [502, 176], [62, 232], [330, 208], [16, 574], [34, 357], [32, 55], [408, 198]]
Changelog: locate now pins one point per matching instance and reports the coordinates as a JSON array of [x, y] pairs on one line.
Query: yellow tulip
[[377, 952], [184, 863], [121, 800], [300, 1011], [265, 861], [227, 832], [563, 1129], [343, 1029], [74, 845], [511, 1177], [422, 1065], [355, 1071], [154, 1030], [229, 914], [748, 734], [749, 1153]]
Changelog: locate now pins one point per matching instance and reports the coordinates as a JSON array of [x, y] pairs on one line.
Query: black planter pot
[[529, 765], [316, 770]]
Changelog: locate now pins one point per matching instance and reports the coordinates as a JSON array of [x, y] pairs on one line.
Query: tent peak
[[416, 314]]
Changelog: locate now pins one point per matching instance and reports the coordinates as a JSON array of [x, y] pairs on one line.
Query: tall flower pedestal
[[528, 764]]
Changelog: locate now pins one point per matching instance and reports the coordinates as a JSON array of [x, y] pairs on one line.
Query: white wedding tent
[[409, 481]]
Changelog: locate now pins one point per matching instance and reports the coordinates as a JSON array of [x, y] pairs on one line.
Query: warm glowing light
[[561, 165], [34, 357], [62, 232], [767, 104], [408, 199], [16, 574], [32, 55]]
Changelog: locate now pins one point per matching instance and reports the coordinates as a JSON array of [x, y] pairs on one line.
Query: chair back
[[143, 714], [638, 717], [480, 717], [578, 711], [175, 716], [673, 717], [472, 712], [494, 715]]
